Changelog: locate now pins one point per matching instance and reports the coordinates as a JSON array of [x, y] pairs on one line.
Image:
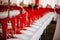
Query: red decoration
[[4, 27], [36, 2]]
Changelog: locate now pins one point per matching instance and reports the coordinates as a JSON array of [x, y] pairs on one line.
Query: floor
[[49, 32]]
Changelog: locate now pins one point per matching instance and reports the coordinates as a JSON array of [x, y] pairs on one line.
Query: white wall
[[18, 1], [58, 2], [27, 2], [43, 2], [53, 3], [13, 1], [50, 2], [4, 1]]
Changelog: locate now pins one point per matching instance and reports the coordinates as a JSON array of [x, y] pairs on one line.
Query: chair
[[4, 27]]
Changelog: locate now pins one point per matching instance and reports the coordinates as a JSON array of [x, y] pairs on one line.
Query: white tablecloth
[[46, 19], [39, 32]]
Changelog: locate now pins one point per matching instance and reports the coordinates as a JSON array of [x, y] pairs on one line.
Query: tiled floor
[[49, 31]]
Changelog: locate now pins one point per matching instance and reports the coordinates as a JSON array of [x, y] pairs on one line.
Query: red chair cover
[[58, 11], [4, 27], [14, 24]]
